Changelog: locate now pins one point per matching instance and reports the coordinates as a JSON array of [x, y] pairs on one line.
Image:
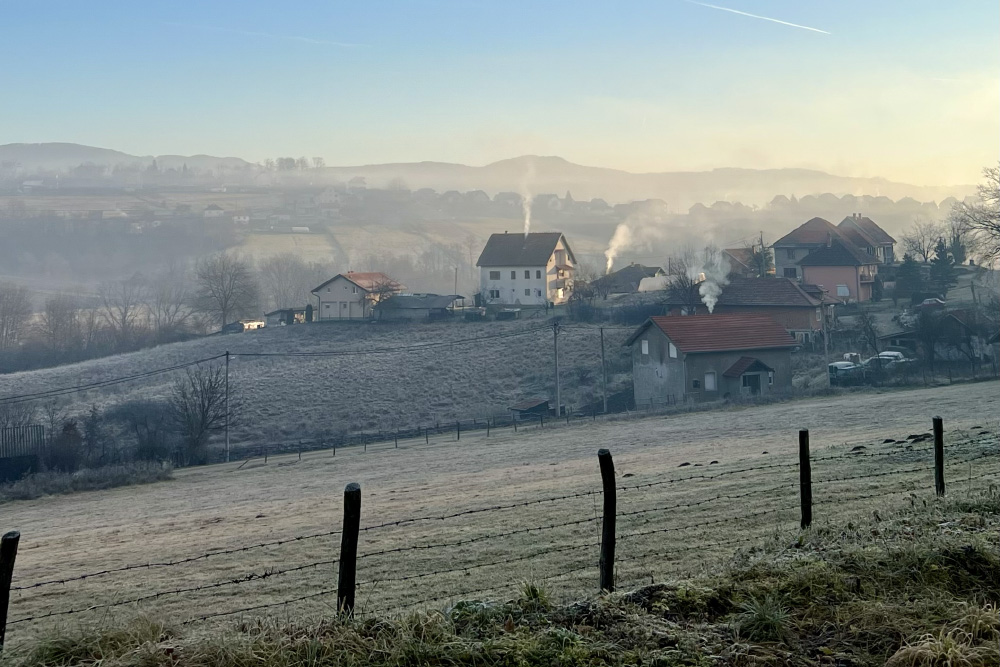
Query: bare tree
[[682, 283], [15, 314], [123, 307], [920, 239], [982, 217], [381, 290], [59, 325], [318, 163], [286, 280], [169, 305], [197, 408], [226, 287], [868, 332], [17, 414]]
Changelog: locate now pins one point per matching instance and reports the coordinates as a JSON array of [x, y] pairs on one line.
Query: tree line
[[142, 311]]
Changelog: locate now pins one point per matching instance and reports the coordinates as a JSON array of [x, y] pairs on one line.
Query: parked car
[[845, 373]]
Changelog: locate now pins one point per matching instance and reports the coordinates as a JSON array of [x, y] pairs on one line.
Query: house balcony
[[868, 276]]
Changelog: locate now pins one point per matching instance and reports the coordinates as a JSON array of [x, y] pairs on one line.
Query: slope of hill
[[529, 174], [61, 156], [376, 378]]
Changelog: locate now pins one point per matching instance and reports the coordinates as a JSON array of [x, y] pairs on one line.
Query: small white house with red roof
[[353, 295], [709, 358]]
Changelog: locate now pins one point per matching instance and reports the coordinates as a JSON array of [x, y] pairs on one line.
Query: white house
[[241, 219], [213, 211], [526, 269], [352, 295]]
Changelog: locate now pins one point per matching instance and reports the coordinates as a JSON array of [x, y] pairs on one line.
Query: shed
[[416, 307], [19, 449], [285, 316], [530, 409]]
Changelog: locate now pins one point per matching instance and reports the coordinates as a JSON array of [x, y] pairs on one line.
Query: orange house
[[845, 271]]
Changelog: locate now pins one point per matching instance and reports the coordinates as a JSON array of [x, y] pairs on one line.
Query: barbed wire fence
[[637, 531]]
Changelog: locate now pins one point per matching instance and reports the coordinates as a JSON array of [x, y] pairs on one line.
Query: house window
[[513, 275], [696, 384], [328, 289], [354, 290], [538, 292], [672, 350], [326, 306], [494, 275], [527, 292], [819, 314], [790, 253], [527, 274], [538, 274], [842, 290], [645, 347], [494, 294], [560, 292], [791, 273], [710, 381], [770, 378]]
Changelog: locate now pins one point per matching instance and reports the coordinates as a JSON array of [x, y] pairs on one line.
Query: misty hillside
[[61, 156], [526, 174]]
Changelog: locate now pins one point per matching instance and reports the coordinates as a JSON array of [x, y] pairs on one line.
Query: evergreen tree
[[909, 279], [943, 275], [958, 251]]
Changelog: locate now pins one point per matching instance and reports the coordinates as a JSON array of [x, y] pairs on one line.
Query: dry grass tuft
[[88, 479]]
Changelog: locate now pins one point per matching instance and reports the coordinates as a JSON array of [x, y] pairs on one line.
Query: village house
[[352, 295], [740, 262], [794, 246], [806, 311], [709, 357], [845, 270], [526, 269], [868, 236], [414, 307], [213, 211], [626, 280]]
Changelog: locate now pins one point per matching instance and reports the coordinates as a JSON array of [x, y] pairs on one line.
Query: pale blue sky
[[906, 89]]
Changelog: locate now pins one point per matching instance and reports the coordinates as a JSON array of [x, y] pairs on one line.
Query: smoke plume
[[714, 276], [638, 231], [526, 195]]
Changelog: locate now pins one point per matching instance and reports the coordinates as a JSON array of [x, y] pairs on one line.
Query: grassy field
[[671, 528], [291, 398]]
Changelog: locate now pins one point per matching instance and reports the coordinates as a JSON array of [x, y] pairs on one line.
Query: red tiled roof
[[754, 292], [365, 280], [744, 364], [812, 232], [868, 226], [720, 332]]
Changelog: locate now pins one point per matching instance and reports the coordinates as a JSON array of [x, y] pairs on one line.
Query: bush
[[88, 479]]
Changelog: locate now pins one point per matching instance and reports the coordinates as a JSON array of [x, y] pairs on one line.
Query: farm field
[[469, 370], [667, 526]]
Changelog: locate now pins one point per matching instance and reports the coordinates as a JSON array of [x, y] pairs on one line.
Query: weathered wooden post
[[938, 456], [607, 563], [8, 552], [346, 583], [265, 454], [427, 435], [487, 428], [458, 431], [805, 479]]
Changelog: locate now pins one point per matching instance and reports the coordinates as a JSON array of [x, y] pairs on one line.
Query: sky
[[908, 90]]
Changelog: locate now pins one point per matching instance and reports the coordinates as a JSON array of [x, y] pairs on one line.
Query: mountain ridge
[[527, 174]]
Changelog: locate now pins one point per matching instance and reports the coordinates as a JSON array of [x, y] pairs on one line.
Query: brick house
[[806, 311], [868, 236], [794, 246], [709, 357], [845, 270]]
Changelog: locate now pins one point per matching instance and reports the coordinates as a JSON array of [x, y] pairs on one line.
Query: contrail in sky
[[266, 35], [755, 16]]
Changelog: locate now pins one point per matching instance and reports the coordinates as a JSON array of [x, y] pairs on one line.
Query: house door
[[751, 384]]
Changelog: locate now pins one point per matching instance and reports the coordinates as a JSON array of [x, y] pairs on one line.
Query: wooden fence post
[[514, 419], [938, 456], [8, 552], [805, 480], [427, 435], [265, 454], [349, 549], [396, 438], [458, 431], [487, 428], [607, 564]]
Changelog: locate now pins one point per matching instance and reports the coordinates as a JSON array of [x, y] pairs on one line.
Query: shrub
[[88, 479]]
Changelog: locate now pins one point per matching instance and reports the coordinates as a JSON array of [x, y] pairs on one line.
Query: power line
[[103, 383]]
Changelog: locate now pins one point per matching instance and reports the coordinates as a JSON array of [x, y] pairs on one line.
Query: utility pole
[[555, 343], [604, 374], [227, 406], [456, 280]]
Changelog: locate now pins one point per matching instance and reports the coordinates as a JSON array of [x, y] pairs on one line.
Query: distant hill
[[680, 190], [62, 156], [530, 173]]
